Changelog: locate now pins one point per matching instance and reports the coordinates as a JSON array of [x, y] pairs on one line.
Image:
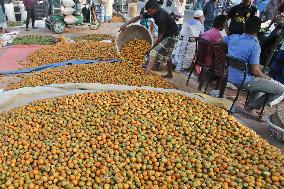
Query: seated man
[[214, 35], [246, 47]]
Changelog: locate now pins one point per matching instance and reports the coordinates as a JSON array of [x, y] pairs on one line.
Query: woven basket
[[130, 33], [276, 131]]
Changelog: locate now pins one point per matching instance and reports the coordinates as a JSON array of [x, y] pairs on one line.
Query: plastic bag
[[68, 3], [68, 11], [70, 19]]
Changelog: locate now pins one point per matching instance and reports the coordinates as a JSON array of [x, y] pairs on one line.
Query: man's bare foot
[[251, 112]]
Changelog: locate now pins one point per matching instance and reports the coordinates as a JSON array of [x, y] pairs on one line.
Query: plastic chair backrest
[[203, 47], [239, 65], [219, 59]]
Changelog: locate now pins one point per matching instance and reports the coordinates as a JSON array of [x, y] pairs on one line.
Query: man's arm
[[254, 60], [224, 40], [255, 71], [158, 40], [151, 62], [133, 20]]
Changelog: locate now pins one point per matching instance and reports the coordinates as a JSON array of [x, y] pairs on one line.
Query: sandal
[[168, 76], [252, 114]]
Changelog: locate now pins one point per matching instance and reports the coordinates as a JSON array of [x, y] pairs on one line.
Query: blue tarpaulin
[[54, 65]]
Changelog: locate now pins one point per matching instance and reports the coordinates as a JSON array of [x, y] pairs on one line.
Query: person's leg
[[169, 68], [272, 87], [277, 67], [33, 17], [28, 17], [151, 62]]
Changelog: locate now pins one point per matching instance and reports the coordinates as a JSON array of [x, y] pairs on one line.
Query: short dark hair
[[219, 21], [252, 25], [152, 4]]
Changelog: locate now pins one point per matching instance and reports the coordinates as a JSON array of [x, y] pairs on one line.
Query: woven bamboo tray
[[130, 33], [276, 130]]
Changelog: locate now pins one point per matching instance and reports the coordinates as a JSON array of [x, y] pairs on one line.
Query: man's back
[[244, 47], [213, 35]]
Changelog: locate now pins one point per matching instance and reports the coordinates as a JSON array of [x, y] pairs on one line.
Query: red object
[[10, 57]]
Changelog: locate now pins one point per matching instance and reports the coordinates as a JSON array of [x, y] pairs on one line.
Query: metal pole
[[274, 47]]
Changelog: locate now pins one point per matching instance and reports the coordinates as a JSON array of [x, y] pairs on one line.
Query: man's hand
[[256, 71], [147, 71], [122, 28], [133, 20]]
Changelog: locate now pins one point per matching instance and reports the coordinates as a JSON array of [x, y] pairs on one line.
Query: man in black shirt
[[167, 35], [239, 14]]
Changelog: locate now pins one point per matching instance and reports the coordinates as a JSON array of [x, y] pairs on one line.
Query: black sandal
[[168, 76]]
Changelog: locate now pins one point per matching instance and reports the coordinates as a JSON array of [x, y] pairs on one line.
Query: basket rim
[[269, 121], [132, 25]]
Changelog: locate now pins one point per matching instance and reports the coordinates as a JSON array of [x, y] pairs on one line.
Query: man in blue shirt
[[246, 47]]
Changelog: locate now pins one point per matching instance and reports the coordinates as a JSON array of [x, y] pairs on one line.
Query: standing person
[[3, 23], [102, 7], [239, 14], [278, 13], [177, 11], [30, 8], [210, 11], [199, 4], [149, 24], [277, 67], [167, 35], [246, 48], [108, 9], [2, 5], [184, 53]]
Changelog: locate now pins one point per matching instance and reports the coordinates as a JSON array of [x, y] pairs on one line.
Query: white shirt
[[192, 28], [176, 7]]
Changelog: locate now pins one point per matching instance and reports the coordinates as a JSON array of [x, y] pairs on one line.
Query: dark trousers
[[30, 15]]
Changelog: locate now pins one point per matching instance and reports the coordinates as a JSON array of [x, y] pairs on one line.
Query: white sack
[[70, 19], [68, 3], [10, 13], [68, 11]]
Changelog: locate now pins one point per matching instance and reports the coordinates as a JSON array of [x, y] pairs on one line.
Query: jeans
[[277, 68], [259, 87], [30, 15]]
